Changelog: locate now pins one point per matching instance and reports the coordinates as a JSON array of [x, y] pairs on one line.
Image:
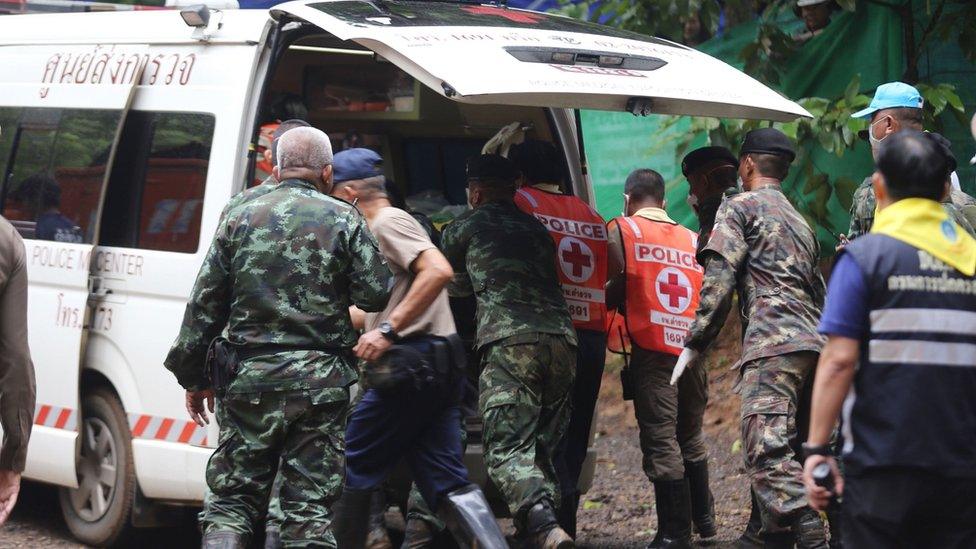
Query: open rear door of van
[[64, 128], [488, 54]]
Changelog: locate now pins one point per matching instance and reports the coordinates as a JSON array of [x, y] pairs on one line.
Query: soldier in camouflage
[[273, 526], [711, 173], [894, 107], [278, 280], [763, 249], [959, 205], [525, 337]]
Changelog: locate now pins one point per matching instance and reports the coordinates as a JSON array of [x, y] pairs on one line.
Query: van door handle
[[96, 287]]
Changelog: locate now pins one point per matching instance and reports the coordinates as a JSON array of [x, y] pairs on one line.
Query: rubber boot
[[751, 538], [272, 539], [673, 515], [702, 502], [543, 528], [350, 521], [222, 540], [378, 538], [417, 535], [567, 513], [777, 540], [468, 516], [808, 530]]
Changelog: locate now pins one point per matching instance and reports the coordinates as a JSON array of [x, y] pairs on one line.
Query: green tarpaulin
[[867, 42]]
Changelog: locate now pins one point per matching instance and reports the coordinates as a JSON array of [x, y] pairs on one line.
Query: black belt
[[247, 352]]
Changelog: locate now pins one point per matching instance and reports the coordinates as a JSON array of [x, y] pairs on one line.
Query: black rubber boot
[[702, 502], [543, 528], [468, 516], [417, 535], [567, 513], [673, 515], [751, 538], [777, 540], [350, 521], [222, 540], [809, 531], [378, 538], [272, 539]]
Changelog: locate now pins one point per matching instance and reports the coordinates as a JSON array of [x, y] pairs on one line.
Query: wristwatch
[[815, 450], [387, 331]]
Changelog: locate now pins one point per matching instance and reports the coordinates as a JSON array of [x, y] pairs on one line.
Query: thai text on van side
[[106, 65]]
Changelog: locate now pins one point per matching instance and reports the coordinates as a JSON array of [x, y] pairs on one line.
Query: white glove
[[686, 359]]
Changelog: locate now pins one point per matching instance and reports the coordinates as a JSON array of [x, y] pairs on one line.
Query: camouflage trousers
[[525, 388], [295, 435], [669, 416], [771, 389]]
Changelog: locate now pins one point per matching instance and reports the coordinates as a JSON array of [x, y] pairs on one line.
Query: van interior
[[361, 100]]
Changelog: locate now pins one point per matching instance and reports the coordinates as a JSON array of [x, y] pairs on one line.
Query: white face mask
[[871, 138], [739, 184], [626, 204], [692, 201]]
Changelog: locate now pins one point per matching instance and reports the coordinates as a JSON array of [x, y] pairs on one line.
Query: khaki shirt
[[402, 239], [17, 388]]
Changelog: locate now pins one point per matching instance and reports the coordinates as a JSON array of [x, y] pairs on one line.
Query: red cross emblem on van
[[511, 15]]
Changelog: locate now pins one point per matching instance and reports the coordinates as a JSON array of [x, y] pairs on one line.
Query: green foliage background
[[930, 43]]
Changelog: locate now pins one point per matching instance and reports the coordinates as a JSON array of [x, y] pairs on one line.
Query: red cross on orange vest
[[575, 257], [673, 290]]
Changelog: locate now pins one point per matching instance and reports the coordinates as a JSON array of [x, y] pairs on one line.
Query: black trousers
[[591, 355], [905, 507]]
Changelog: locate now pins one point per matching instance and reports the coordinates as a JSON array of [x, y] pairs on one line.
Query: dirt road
[[617, 512]]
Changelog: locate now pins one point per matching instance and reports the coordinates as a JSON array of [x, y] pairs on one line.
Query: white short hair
[[304, 147]]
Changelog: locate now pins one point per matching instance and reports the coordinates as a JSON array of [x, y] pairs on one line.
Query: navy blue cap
[[706, 155], [353, 164]]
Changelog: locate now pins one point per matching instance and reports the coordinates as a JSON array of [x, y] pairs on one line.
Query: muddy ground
[[618, 511]]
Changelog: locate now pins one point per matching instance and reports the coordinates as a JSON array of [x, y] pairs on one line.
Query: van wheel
[[98, 511]]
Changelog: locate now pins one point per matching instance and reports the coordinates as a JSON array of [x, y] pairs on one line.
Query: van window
[[55, 162], [155, 194]]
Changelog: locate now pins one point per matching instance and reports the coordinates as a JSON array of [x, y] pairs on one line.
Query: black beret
[[706, 155], [946, 147], [492, 170], [768, 141]]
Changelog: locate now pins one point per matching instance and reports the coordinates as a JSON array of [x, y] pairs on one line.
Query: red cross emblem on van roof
[[674, 290], [512, 15]]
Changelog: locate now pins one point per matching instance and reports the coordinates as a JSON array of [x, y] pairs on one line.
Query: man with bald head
[[278, 279]]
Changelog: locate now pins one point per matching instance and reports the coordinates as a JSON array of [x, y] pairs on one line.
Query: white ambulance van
[[124, 134]]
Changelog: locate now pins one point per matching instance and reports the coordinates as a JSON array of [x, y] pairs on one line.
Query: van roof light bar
[[205, 21], [196, 16]]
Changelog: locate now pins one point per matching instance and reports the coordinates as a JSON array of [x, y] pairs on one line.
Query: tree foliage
[[766, 57]]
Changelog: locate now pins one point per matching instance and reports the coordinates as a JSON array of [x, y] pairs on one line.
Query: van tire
[[98, 511]]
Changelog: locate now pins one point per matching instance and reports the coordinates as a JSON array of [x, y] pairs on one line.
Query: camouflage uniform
[[960, 206], [764, 250], [275, 515], [248, 194], [280, 274], [527, 344]]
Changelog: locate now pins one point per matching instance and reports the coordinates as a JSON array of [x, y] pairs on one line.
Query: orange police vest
[[662, 288], [581, 252]]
